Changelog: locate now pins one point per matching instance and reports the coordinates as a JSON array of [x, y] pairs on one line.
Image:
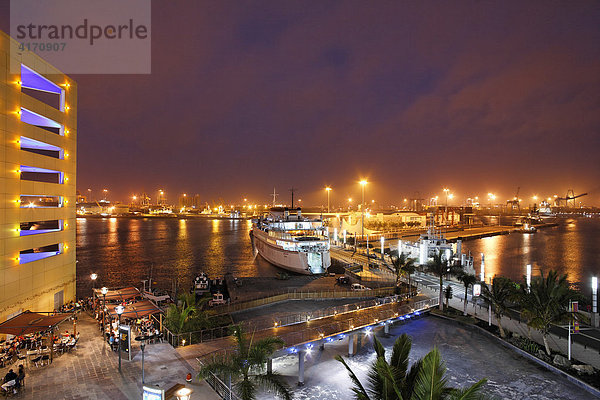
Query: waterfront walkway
[[91, 370], [309, 331]]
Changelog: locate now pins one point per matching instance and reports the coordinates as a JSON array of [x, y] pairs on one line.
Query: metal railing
[[301, 295], [223, 390]]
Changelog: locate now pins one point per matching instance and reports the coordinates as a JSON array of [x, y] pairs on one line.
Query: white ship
[[292, 242]]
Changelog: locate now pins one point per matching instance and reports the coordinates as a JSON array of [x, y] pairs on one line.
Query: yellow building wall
[[32, 286]]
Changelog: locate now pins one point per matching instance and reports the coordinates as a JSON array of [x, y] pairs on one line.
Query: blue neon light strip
[[32, 80], [36, 144], [61, 177], [32, 118], [25, 258]]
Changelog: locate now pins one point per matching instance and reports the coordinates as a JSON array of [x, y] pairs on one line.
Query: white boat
[[292, 242]]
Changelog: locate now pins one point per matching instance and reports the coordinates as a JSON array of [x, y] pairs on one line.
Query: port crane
[[570, 197], [514, 203]]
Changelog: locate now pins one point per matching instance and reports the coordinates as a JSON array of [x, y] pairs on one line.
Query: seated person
[[10, 379], [20, 376]]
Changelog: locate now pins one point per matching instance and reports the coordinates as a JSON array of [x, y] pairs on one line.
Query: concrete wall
[[33, 285]]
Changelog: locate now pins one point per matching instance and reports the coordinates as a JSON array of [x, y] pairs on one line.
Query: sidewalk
[[579, 352], [91, 371]]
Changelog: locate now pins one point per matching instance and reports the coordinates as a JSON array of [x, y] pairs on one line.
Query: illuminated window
[[41, 175], [42, 89], [31, 201], [39, 253], [35, 119], [44, 149], [39, 227]]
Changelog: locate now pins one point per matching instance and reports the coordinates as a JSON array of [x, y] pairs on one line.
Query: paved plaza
[[91, 371]]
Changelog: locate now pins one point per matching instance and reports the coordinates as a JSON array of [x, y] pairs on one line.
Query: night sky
[[414, 96]]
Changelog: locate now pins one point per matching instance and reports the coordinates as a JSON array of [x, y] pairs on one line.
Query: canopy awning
[[30, 322], [119, 294], [138, 309]]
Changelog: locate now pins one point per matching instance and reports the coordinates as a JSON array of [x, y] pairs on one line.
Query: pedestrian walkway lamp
[[142, 339], [184, 394], [595, 321], [104, 290], [93, 277], [119, 310]]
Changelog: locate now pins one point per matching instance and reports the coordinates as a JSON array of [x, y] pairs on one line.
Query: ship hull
[[294, 261]]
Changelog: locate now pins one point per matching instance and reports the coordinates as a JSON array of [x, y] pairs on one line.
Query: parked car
[[358, 287]]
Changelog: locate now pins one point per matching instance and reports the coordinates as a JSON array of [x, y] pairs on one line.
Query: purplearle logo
[[83, 36], [85, 31]]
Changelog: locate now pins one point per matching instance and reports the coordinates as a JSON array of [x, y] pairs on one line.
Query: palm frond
[[431, 382], [275, 384], [471, 393], [246, 389], [400, 353]]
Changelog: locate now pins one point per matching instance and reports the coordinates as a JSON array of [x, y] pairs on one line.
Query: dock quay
[[454, 233]]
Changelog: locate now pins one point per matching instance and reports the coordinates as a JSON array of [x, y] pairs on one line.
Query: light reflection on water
[[122, 251], [571, 248]]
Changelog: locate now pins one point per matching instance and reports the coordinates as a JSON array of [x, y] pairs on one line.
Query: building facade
[[38, 143]]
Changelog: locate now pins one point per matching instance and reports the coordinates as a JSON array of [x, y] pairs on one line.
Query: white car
[[358, 286]]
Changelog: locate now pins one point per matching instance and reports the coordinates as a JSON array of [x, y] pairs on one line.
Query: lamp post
[[119, 310], [363, 183], [142, 339], [93, 277], [328, 189], [595, 319], [104, 290], [446, 191]]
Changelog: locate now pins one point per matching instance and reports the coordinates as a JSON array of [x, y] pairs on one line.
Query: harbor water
[[124, 251]]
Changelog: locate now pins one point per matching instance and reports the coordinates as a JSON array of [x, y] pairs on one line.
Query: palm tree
[[448, 294], [498, 296], [467, 280], [186, 315], [394, 380], [247, 366], [546, 302], [403, 265], [440, 267]]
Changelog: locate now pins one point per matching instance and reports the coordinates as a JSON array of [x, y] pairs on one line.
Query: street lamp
[[143, 339], [328, 189], [93, 277], [363, 183], [119, 310], [595, 301], [446, 191], [104, 290]]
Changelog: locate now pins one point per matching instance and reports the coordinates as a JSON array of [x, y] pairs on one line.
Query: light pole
[[595, 321], [143, 339], [93, 277], [328, 189], [104, 290], [446, 191], [363, 183], [119, 310]]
